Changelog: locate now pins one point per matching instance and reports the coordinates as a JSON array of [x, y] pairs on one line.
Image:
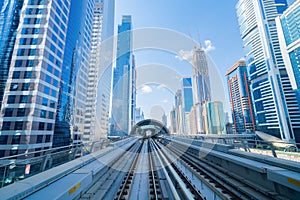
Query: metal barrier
[[21, 166]]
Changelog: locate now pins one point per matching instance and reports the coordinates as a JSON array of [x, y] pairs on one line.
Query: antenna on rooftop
[[198, 34]]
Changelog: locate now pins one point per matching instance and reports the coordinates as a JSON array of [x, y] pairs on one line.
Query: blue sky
[[213, 20]]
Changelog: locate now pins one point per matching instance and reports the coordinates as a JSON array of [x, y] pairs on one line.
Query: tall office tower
[[139, 115], [133, 93], [97, 97], [214, 119], [121, 100], [289, 39], [73, 85], [173, 120], [240, 98], [275, 104], [164, 120], [187, 102], [31, 93], [201, 84], [193, 120], [179, 112], [9, 22], [100, 75]]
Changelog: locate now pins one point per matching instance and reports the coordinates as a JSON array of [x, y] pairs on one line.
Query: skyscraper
[[93, 75], [9, 22], [193, 120], [103, 77], [289, 38], [173, 120], [74, 77], [31, 92], [187, 102], [122, 80], [240, 98], [201, 84], [179, 112], [275, 106], [139, 115], [214, 119], [132, 92], [100, 76]]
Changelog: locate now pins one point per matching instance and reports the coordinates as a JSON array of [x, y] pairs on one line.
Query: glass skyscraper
[[214, 119], [100, 73], [275, 105], [179, 110], [289, 37], [31, 92], [9, 22], [240, 98], [122, 80], [201, 85], [187, 102], [73, 85]]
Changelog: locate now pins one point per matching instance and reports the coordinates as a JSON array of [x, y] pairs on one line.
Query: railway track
[[162, 168], [225, 184]]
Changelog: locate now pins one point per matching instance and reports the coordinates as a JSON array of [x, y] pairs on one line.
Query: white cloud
[[209, 46], [185, 55], [146, 89], [188, 55]]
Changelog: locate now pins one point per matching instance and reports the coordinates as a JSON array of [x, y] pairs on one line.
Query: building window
[[43, 113], [6, 126], [48, 138], [49, 127], [45, 102], [8, 112], [16, 139], [51, 115], [30, 63], [3, 139], [25, 86], [14, 87], [39, 139], [19, 63], [52, 104], [28, 74], [23, 99], [41, 126], [16, 74], [11, 99], [19, 126], [21, 112]]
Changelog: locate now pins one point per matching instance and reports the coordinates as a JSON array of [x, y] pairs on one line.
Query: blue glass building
[[122, 80], [9, 22], [65, 125], [31, 92], [187, 101], [201, 85], [214, 119], [289, 37], [275, 107], [240, 98], [187, 93]]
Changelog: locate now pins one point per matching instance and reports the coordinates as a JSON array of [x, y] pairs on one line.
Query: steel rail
[[152, 173], [228, 183], [125, 189]]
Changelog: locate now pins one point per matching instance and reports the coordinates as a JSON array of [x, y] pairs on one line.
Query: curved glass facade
[[69, 124], [274, 101]]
